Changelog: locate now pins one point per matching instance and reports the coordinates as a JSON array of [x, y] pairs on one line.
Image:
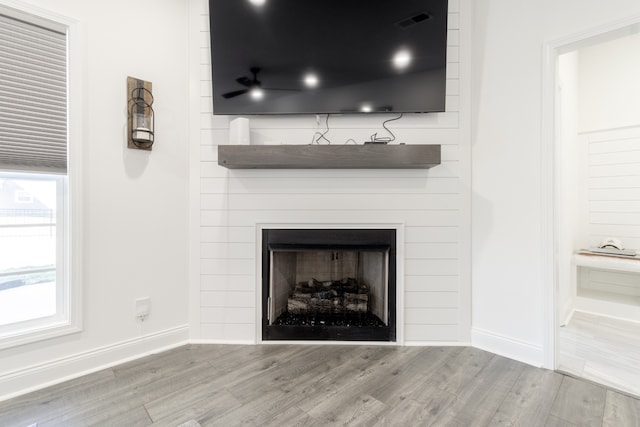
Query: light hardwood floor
[[311, 385], [601, 349]]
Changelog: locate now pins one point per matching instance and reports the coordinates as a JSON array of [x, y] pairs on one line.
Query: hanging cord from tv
[[375, 139], [318, 136]]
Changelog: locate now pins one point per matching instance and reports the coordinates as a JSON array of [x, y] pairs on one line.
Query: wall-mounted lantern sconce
[[140, 111]]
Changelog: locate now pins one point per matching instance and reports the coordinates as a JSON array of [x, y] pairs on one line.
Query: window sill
[[27, 336]]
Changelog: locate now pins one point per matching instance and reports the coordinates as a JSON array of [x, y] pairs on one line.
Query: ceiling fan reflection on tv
[[252, 84]]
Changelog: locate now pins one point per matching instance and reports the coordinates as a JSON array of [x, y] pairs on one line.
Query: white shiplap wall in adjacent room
[[613, 184], [613, 207], [433, 206]]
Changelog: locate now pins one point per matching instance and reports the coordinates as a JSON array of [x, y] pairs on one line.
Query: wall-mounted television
[[328, 56]]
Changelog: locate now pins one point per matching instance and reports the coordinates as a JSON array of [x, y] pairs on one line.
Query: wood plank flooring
[[601, 349], [312, 385]]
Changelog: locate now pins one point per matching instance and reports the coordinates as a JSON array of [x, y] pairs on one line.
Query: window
[[30, 245], [36, 298]]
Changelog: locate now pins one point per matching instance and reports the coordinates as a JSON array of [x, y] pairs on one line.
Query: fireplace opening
[[329, 284]]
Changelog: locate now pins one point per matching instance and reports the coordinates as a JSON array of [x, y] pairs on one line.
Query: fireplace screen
[[329, 284]]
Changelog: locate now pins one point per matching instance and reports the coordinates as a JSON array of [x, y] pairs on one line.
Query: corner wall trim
[[508, 347], [63, 369]]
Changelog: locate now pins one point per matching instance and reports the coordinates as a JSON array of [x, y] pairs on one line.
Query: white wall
[[609, 85], [432, 204], [507, 172], [134, 203]]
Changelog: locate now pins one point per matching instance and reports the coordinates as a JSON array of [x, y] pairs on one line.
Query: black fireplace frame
[[327, 239]]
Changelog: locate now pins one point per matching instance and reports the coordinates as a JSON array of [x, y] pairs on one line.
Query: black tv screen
[[328, 56]]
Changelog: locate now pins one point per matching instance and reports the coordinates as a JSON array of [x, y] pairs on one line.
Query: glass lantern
[[142, 125]]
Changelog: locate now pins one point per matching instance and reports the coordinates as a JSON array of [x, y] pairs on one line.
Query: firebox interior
[[334, 286]]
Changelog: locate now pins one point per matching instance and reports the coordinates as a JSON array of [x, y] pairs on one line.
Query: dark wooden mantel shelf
[[368, 156]]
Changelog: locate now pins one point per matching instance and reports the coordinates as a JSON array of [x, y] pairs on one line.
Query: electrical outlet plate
[[143, 306]]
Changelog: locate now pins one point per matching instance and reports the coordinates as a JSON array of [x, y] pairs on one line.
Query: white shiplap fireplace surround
[[429, 207]]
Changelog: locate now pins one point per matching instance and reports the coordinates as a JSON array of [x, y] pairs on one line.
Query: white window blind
[[33, 97]]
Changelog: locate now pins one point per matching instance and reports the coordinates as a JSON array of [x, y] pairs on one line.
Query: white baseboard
[[222, 342], [508, 347], [437, 344], [56, 371]]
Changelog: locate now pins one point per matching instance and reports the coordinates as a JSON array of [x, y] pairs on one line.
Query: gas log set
[[329, 297], [338, 303]]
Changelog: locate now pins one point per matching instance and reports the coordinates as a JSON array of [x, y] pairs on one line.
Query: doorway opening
[[595, 186]]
